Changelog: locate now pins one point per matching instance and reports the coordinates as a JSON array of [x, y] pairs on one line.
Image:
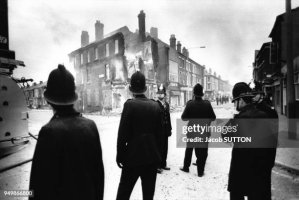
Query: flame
[[119, 72]]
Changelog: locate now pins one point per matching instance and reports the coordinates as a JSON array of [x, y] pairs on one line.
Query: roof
[[124, 30], [278, 21], [266, 44], [96, 43], [167, 45]]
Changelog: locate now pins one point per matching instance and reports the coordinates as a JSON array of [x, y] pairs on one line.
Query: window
[[173, 71], [107, 72], [116, 46], [209, 86], [81, 58], [88, 75], [88, 97], [181, 63], [77, 60], [82, 76], [35, 92], [96, 53], [88, 56], [107, 49], [194, 79], [189, 79], [97, 97]]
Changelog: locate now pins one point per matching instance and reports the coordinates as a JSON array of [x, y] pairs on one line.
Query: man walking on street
[[198, 112], [139, 141], [67, 162], [166, 122]]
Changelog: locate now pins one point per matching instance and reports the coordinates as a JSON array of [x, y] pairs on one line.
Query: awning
[[175, 93], [187, 89]]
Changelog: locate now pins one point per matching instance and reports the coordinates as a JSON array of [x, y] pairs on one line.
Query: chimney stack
[[179, 46], [172, 41], [184, 51], [84, 38], [154, 32], [141, 20], [99, 30]]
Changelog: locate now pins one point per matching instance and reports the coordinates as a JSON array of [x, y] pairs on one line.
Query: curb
[[14, 165], [290, 169]]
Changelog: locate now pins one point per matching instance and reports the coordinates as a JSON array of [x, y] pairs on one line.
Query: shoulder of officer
[[191, 100], [206, 101], [128, 101]]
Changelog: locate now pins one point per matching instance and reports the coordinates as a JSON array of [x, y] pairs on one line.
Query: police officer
[[261, 102], [67, 162], [251, 164], [197, 111], [139, 141], [161, 93]]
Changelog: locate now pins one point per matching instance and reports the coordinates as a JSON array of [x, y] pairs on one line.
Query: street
[[173, 184]]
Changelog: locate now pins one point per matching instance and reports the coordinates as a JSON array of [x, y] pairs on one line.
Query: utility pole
[[290, 74]]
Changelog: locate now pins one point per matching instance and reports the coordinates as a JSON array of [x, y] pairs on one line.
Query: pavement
[[288, 150]]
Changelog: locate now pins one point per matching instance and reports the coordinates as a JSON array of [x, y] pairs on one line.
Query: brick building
[[270, 67], [215, 86], [177, 71], [35, 95]]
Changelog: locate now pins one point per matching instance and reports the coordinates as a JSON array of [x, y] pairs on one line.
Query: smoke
[[60, 28]]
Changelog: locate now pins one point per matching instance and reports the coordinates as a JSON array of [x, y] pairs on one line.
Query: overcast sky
[[43, 32]]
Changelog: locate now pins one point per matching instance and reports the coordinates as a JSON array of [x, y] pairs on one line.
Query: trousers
[[201, 155], [129, 177]]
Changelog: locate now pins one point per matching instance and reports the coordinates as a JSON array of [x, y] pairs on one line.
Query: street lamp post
[[290, 74]]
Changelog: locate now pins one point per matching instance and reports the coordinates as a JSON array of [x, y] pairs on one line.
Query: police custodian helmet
[[161, 89], [240, 90], [137, 84], [61, 87]]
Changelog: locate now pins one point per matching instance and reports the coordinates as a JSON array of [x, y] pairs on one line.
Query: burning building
[[104, 67]]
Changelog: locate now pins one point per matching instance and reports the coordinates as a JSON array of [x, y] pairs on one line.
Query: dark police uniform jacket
[[67, 162], [198, 111], [166, 118], [250, 169], [139, 133]]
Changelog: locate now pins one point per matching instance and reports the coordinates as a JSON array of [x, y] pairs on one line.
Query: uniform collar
[[139, 96], [248, 106], [66, 113], [198, 98]]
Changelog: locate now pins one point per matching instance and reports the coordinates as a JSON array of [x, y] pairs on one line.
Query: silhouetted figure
[[67, 162], [198, 111], [139, 141], [166, 122], [251, 163]]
